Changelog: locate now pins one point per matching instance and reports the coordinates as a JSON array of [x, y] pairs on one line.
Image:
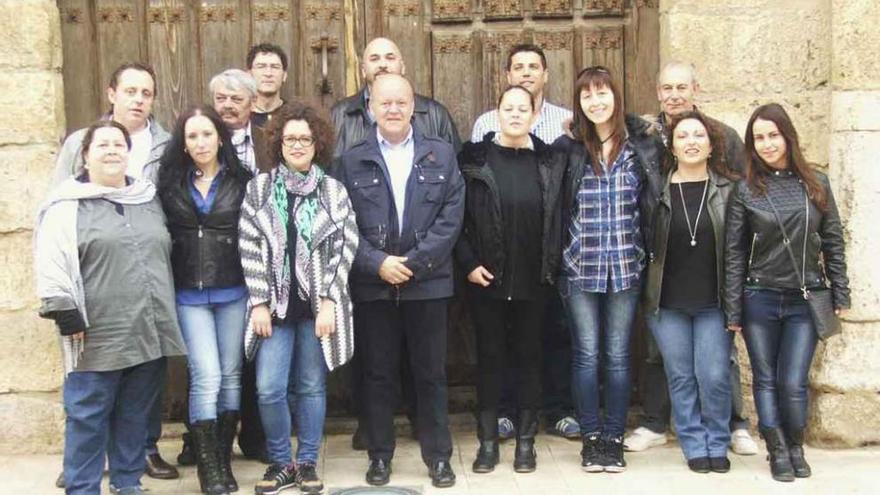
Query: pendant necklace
[[693, 232]]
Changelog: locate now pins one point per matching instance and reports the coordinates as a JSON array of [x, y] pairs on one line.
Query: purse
[[820, 302]]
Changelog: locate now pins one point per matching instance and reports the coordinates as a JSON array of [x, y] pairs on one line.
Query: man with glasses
[[267, 63]]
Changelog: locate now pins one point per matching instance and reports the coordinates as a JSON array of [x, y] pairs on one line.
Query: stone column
[[32, 110], [846, 375]]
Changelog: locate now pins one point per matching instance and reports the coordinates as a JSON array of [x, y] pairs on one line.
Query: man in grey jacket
[[131, 92]]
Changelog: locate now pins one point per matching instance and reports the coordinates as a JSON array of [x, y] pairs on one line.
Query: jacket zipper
[[201, 234], [752, 250]]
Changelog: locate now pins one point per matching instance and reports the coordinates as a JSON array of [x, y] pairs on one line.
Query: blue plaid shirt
[[605, 241]]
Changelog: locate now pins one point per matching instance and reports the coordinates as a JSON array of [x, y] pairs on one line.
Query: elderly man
[[233, 93], [677, 89], [353, 118], [131, 92], [409, 198], [267, 63]]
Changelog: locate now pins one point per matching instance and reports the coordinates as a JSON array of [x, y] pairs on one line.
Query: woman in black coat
[[510, 248]]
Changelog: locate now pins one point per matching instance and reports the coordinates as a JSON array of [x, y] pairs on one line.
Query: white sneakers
[[741, 443], [643, 439]]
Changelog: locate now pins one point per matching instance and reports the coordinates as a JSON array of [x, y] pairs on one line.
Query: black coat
[[482, 241], [204, 248], [649, 149], [756, 256], [352, 125], [431, 222]]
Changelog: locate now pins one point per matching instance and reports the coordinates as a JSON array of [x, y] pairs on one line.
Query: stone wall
[[32, 113], [819, 59]]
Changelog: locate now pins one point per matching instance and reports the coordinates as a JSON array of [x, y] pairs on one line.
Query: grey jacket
[[69, 161]]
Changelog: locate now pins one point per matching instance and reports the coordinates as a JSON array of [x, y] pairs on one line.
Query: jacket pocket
[[433, 183], [376, 236], [366, 188]]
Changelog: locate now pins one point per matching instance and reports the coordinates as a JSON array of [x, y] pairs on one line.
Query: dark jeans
[[154, 425], [498, 323], [379, 328], [781, 340], [655, 391], [601, 324], [107, 414], [251, 438]]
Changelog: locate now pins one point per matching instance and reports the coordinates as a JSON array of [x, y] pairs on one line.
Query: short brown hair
[[718, 159], [139, 66], [101, 124], [322, 131]]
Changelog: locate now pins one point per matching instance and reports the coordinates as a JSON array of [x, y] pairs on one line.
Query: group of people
[[273, 245]]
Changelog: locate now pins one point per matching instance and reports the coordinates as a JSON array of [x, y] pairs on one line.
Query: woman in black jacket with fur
[[510, 249]]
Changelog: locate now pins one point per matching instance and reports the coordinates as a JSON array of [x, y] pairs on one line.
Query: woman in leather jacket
[[510, 249], [764, 292], [682, 291], [201, 186], [611, 186]]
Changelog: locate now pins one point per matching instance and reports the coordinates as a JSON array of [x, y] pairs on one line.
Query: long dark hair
[[176, 162], [598, 77], [757, 169], [717, 161]]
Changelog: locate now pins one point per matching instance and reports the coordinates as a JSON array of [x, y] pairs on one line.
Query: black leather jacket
[[482, 238], [351, 123], [204, 248], [755, 255]]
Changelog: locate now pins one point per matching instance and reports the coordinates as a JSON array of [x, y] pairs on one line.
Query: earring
[[186, 150]]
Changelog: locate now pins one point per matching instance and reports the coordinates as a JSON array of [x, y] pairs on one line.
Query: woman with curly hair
[[682, 301], [298, 239]]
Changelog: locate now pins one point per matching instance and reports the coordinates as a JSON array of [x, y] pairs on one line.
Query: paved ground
[[658, 471]]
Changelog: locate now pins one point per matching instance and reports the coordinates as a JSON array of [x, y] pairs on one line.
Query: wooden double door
[[454, 50]]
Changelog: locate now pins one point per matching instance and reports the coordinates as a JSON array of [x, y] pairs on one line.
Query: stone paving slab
[[658, 471]]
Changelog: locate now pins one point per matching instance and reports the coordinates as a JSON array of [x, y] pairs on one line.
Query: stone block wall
[[32, 113], [819, 59]]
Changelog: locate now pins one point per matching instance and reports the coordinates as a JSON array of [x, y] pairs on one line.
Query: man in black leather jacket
[[351, 116]]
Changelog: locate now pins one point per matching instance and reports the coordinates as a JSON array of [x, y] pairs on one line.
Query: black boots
[[209, 463], [796, 453], [524, 460], [487, 433], [227, 427], [778, 454]]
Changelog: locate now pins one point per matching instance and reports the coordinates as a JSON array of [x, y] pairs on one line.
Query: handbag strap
[[801, 272]]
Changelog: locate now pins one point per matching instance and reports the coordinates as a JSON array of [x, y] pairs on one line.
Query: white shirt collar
[[384, 142]]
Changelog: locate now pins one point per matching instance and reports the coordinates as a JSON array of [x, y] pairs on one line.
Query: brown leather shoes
[[159, 469]]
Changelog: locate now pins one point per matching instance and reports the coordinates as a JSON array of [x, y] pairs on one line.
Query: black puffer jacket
[[755, 255], [645, 140], [352, 124], [204, 248], [482, 238]]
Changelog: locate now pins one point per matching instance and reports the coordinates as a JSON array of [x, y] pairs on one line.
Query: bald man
[[352, 117], [408, 196]]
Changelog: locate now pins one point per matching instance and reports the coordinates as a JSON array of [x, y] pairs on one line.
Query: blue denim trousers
[[601, 322], [107, 414], [214, 335], [292, 355], [695, 347], [781, 341]]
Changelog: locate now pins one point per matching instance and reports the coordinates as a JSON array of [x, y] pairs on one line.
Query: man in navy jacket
[[408, 195]]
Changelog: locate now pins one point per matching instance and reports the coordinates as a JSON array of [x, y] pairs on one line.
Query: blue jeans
[[107, 414], [214, 335], [601, 320], [292, 354], [696, 356], [781, 340]]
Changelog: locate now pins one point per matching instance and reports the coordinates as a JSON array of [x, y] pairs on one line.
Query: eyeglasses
[[304, 141]]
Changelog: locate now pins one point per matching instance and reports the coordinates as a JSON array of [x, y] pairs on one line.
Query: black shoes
[[307, 479], [525, 457], [227, 427], [487, 457], [159, 469], [379, 472], [719, 464], [277, 478], [441, 474], [699, 465], [593, 453], [796, 454], [186, 457], [614, 462], [778, 455]]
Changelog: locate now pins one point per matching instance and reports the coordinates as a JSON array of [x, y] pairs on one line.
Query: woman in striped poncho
[[298, 238]]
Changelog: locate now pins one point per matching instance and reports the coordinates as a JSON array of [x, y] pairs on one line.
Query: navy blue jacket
[[431, 222]]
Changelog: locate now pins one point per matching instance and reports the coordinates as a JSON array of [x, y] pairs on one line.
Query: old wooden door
[[454, 50]]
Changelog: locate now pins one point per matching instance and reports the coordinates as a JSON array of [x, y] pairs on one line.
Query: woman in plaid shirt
[[612, 184]]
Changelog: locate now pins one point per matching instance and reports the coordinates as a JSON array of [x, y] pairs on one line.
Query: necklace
[[205, 179], [693, 232], [603, 141]]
